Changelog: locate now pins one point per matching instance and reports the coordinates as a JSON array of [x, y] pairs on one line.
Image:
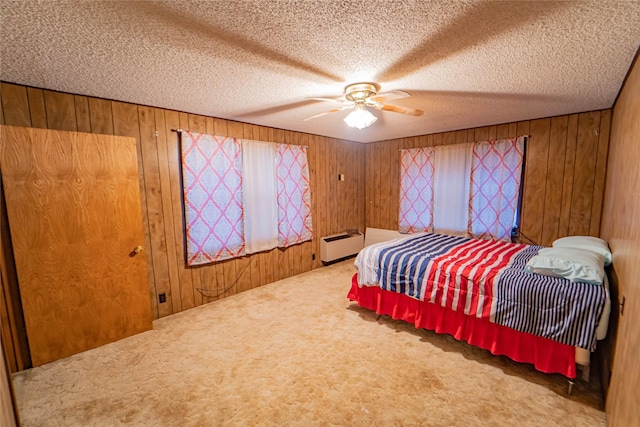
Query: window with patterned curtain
[[294, 195], [495, 187], [242, 196], [466, 189], [416, 190], [212, 191]]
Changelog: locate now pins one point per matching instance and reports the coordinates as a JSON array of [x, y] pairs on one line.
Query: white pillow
[[594, 244], [577, 265]]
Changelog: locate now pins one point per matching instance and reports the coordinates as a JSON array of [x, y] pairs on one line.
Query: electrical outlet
[[162, 298]]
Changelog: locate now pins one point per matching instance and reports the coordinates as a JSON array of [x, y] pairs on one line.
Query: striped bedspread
[[485, 279]]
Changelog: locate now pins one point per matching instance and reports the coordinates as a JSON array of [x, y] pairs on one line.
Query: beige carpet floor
[[296, 352]]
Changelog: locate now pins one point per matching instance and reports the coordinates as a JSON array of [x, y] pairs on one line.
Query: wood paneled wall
[[621, 228], [564, 173], [336, 205], [563, 189]]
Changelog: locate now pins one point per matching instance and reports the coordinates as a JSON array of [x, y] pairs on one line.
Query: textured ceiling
[[466, 64]]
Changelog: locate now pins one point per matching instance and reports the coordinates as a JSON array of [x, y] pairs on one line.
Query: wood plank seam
[[146, 224]]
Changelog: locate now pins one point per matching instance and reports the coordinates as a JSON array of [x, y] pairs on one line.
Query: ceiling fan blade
[[335, 110], [400, 109], [339, 100], [388, 96]]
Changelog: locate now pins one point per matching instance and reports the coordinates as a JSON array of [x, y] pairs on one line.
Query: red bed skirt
[[544, 354]]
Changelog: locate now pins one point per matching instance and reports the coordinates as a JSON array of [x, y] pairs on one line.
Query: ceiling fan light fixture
[[359, 96], [359, 92], [360, 117]]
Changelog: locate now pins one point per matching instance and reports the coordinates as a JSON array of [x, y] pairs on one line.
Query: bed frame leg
[[585, 373], [571, 383], [378, 317]]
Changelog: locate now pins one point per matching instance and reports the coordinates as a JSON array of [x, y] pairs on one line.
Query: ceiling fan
[[362, 95]]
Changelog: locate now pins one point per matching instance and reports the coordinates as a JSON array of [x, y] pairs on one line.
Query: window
[[451, 189], [294, 195], [242, 196], [495, 187], [260, 191], [473, 189], [416, 190], [212, 186]]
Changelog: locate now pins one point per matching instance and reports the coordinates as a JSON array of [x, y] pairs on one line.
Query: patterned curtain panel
[[294, 195], [495, 186], [416, 190], [212, 182]]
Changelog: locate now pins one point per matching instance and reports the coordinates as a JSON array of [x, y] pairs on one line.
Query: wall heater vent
[[338, 246]]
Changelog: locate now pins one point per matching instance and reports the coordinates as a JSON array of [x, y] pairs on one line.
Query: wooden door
[[73, 205], [623, 399], [7, 402]]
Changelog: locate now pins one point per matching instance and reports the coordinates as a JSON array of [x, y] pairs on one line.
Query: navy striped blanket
[[485, 279]]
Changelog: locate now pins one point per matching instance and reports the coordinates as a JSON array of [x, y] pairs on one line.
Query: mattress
[[487, 279]]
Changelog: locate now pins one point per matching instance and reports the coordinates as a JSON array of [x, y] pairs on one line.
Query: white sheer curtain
[[260, 195], [452, 182]]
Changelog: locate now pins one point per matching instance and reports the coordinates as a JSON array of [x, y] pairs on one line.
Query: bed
[[478, 291]]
